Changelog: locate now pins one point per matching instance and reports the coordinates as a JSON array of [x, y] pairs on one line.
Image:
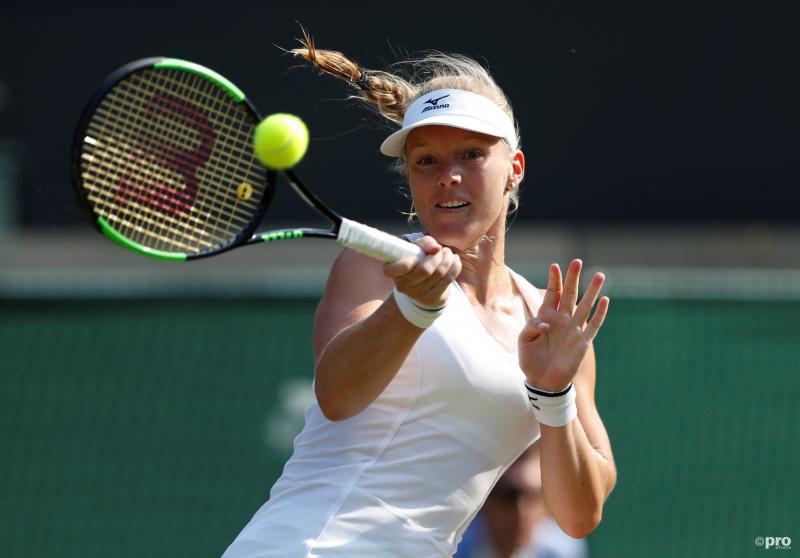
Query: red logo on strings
[[168, 115]]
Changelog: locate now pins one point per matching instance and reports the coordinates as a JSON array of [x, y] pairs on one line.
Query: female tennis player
[[432, 376]]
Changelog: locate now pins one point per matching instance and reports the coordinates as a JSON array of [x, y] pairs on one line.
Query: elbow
[[586, 519], [331, 412], [330, 405], [580, 527], [580, 519]]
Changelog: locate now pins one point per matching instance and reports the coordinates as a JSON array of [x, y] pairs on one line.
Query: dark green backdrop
[[155, 428]]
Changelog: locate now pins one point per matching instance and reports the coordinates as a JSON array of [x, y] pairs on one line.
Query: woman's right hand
[[427, 281]]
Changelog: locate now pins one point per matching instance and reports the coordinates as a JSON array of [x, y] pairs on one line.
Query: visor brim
[[394, 145]]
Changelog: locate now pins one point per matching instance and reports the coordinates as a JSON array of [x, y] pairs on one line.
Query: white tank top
[[404, 477]]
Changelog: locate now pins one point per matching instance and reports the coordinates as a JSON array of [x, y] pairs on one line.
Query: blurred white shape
[[286, 420]]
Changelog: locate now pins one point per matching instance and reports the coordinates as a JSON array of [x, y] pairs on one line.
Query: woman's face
[[460, 181]]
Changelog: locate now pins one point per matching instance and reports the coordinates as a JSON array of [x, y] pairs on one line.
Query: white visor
[[456, 108]]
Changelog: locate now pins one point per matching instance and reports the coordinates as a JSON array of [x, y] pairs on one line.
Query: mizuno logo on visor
[[435, 104]]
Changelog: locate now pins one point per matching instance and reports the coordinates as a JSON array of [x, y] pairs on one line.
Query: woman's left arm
[[555, 348], [578, 471]]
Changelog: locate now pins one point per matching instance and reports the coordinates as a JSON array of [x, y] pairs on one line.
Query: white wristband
[[418, 314], [553, 408]]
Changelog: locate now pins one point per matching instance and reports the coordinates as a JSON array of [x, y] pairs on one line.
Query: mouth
[[452, 204]]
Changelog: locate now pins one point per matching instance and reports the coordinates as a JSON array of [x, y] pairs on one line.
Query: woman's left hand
[[552, 345]]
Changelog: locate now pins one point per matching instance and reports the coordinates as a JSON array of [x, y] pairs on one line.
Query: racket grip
[[376, 244]]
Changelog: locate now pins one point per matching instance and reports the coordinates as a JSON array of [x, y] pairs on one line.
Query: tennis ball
[[280, 141]]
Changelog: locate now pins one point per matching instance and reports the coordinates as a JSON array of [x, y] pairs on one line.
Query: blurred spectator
[[514, 522]]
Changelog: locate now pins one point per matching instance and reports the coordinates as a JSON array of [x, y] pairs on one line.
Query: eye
[[425, 160], [473, 154]]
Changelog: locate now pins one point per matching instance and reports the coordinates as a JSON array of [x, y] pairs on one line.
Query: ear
[[518, 167], [516, 170]]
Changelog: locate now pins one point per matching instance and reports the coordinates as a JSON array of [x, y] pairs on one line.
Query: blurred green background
[[155, 426]]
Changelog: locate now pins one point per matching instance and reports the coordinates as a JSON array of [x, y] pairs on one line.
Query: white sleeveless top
[[405, 476]]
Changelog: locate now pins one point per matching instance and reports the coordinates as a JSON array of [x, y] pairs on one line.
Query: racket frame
[[352, 234], [245, 236]]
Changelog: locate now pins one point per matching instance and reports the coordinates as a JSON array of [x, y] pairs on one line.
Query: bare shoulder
[[356, 287], [355, 274]]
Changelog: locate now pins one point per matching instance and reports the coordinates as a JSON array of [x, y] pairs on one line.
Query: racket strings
[[208, 203], [190, 156], [142, 221], [245, 151], [195, 93], [164, 155]]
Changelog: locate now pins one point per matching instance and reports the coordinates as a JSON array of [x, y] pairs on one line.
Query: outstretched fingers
[[553, 294], [597, 320], [589, 297], [570, 295]]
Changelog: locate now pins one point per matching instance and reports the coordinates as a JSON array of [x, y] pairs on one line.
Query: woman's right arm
[[360, 337]]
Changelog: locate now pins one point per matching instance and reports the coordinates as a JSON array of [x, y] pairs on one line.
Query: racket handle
[[376, 244]]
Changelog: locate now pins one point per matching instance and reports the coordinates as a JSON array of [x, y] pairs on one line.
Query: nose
[[450, 175]]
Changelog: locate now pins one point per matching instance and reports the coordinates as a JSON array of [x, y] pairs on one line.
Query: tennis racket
[[163, 164]]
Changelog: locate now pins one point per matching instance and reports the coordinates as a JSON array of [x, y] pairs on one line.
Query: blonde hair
[[391, 92]]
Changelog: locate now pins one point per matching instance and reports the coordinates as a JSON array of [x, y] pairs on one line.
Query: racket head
[[163, 163]]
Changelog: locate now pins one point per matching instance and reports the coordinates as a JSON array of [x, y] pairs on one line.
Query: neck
[[484, 274]]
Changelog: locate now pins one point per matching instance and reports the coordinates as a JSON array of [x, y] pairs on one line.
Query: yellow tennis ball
[[280, 141]]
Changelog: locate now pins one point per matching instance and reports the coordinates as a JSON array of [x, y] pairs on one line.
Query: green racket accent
[[162, 156], [207, 73], [281, 235], [111, 233]]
